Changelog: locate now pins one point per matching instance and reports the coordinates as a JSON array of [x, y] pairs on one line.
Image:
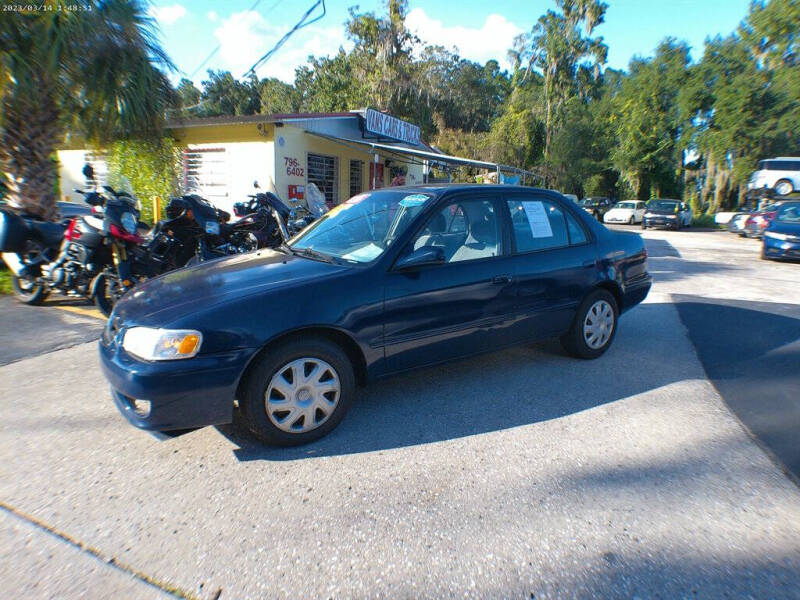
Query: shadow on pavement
[[751, 353], [498, 391]]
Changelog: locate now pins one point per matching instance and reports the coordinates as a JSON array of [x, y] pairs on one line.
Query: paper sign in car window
[[537, 219], [414, 200], [364, 254]]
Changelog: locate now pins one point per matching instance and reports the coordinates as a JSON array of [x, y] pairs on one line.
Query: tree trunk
[[31, 130]]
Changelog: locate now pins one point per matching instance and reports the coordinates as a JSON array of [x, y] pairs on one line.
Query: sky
[[191, 29]]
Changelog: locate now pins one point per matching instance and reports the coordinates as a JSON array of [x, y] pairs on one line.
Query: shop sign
[[384, 125]]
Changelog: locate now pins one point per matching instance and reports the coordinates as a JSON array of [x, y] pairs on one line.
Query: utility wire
[[216, 49], [300, 24]]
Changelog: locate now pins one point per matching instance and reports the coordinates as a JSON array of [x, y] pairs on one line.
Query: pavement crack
[[107, 559]]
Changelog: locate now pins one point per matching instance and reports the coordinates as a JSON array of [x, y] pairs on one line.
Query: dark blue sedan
[[388, 281], [782, 236]]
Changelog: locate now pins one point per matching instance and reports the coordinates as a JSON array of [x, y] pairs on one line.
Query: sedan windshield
[[789, 214], [625, 205], [361, 229], [662, 205]]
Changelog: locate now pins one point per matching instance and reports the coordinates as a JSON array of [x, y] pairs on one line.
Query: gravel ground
[[515, 475]]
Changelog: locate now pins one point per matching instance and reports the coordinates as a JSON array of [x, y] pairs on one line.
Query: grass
[[5, 280]]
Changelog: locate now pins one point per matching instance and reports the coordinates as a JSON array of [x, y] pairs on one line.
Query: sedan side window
[[537, 225], [464, 230]]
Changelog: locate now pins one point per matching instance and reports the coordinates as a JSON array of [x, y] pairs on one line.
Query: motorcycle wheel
[[105, 297], [29, 291]]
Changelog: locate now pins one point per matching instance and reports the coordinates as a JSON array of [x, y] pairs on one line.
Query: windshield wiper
[[313, 254]]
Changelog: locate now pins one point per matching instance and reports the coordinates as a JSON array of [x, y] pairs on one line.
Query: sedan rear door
[[554, 265]]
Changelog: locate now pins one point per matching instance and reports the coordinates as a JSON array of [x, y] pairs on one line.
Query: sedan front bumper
[[783, 249], [183, 394]]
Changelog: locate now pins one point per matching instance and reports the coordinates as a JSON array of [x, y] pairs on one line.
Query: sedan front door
[[438, 312]]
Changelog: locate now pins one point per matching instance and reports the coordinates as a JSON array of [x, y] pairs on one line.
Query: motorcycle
[[89, 257], [191, 233]]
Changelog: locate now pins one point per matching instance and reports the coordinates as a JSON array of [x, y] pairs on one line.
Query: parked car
[[758, 221], [391, 280], [665, 212], [781, 174], [738, 222], [630, 212], [597, 206], [782, 235]]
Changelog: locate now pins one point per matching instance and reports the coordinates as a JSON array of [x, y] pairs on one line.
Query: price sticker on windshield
[[414, 200]]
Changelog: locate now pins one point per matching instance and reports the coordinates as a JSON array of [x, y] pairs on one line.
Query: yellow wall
[[297, 144], [212, 134]]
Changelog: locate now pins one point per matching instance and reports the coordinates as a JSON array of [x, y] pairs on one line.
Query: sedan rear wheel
[[594, 326], [297, 392]]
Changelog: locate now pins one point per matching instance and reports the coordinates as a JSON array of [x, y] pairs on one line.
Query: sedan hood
[[174, 295], [785, 228]]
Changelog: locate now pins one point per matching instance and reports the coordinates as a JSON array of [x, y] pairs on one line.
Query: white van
[[781, 174]]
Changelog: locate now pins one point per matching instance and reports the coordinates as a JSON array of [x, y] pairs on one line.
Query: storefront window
[[356, 177], [323, 171]]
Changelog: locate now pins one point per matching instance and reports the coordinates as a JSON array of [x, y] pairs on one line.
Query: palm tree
[[93, 73]]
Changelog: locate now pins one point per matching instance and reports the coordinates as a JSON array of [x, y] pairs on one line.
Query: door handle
[[501, 279]]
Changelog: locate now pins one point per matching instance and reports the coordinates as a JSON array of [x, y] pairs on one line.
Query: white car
[[630, 211], [781, 174]]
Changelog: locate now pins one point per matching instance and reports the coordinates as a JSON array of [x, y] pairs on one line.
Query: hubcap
[[598, 324], [302, 395], [783, 189]]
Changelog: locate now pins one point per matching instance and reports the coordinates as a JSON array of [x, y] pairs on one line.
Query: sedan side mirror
[[426, 255]]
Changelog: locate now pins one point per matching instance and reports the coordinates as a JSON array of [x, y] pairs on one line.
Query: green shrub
[[5, 280], [152, 168], [703, 221]]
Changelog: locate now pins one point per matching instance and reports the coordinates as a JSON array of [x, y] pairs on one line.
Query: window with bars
[[206, 173], [323, 171], [356, 177]]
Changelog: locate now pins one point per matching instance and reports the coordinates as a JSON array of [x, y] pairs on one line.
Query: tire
[[33, 293], [103, 299], [575, 341], [632, 221], [678, 224], [644, 225], [783, 187], [268, 374]]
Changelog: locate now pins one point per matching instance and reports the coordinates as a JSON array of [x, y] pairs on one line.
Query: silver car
[[781, 174]]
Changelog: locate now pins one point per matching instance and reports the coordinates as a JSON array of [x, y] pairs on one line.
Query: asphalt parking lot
[[661, 470]]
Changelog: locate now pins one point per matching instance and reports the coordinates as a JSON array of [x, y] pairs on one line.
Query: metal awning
[[425, 155]]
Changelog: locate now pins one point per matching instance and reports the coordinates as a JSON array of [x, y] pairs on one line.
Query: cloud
[[245, 37], [167, 15], [493, 39], [212, 16]]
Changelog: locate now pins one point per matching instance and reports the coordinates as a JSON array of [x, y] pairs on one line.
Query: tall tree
[[93, 72], [648, 121], [568, 59]]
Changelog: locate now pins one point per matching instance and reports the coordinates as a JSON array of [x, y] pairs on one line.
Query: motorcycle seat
[[49, 233]]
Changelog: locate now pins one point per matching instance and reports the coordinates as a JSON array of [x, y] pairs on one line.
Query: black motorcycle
[[191, 233], [89, 257]]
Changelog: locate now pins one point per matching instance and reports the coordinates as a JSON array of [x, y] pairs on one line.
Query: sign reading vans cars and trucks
[[384, 125]]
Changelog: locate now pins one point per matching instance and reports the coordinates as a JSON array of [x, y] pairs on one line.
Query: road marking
[[86, 312]]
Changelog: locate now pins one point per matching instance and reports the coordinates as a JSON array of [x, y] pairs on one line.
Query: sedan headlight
[[672, 216], [776, 235], [162, 344], [128, 222]]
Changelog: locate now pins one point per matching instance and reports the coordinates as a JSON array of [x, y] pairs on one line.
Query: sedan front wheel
[[297, 392]]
